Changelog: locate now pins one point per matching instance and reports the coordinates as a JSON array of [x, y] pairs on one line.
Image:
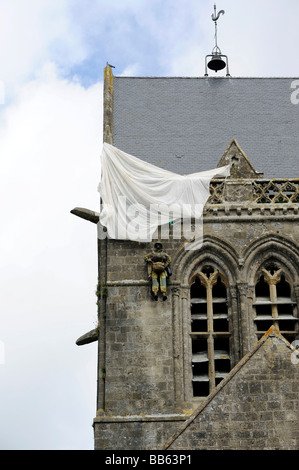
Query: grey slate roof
[[185, 124]]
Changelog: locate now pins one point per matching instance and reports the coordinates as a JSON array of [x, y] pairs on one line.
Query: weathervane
[[217, 63]]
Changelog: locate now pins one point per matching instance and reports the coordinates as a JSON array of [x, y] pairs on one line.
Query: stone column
[[108, 105], [186, 347], [103, 248], [234, 324], [296, 292], [243, 291], [177, 345], [272, 280], [209, 282]]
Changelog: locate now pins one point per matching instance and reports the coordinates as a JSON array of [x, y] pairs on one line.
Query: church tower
[[229, 322]]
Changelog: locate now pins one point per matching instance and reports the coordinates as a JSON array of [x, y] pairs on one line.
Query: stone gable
[[255, 407]]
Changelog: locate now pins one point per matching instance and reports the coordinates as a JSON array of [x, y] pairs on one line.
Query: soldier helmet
[[158, 246]]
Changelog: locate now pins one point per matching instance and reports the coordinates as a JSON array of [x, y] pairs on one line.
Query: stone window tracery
[[273, 303], [210, 333]]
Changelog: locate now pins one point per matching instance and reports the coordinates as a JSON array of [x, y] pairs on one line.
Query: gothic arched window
[[209, 330], [273, 303]]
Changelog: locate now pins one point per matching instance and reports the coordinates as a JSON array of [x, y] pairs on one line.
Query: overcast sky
[[52, 56]]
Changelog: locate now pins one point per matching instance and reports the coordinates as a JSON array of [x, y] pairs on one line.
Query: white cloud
[[33, 32], [50, 144], [132, 70], [259, 38]]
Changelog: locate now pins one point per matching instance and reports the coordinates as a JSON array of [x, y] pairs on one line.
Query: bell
[[216, 63]]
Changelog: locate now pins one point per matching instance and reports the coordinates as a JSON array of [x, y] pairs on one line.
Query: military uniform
[[158, 264]]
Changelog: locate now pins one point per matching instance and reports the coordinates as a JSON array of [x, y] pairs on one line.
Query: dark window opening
[[285, 309], [198, 307], [221, 344], [219, 307], [262, 288], [273, 304], [209, 308], [219, 289], [286, 325], [263, 326], [201, 370], [201, 389], [220, 325], [199, 325], [283, 288], [199, 345], [198, 291], [264, 309]]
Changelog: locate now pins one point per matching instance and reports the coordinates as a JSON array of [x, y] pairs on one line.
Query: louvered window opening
[[273, 304], [210, 334]]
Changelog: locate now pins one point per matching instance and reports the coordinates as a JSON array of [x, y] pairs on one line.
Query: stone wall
[[144, 346], [256, 407], [134, 432]]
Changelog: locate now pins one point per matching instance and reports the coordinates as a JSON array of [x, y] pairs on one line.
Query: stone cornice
[[250, 211]]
